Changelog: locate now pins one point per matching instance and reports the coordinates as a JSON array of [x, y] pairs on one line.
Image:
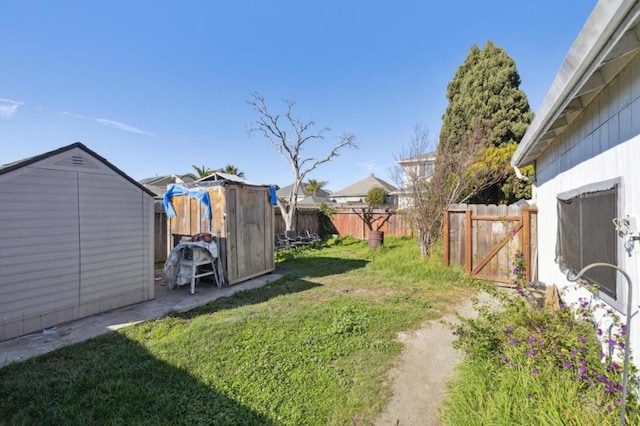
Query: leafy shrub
[[535, 366]]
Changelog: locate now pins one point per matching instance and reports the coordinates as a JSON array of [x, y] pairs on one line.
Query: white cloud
[[122, 126], [370, 166], [8, 107], [110, 123]]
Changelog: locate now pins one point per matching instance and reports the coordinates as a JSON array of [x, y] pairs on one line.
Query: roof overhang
[[606, 44]]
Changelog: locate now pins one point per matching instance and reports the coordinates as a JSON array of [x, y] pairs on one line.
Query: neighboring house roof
[[361, 188], [6, 168], [284, 192], [422, 158], [606, 43], [312, 200]]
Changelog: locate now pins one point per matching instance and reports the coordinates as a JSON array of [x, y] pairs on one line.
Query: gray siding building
[[76, 239]]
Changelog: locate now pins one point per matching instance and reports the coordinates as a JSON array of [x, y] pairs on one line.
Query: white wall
[[601, 144]]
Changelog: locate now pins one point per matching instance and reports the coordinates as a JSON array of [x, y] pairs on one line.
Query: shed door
[[112, 238]]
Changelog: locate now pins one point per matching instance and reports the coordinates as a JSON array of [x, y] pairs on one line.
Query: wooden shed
[[241, 217], [76, 238]]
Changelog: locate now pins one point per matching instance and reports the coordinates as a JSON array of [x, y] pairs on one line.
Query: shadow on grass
[[250, 297], [314, 267], [112, 380]]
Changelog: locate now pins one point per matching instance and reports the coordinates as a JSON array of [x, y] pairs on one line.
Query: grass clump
[[313, 348], [534, 366]]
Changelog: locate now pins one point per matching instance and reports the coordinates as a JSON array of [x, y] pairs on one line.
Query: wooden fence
[[485, 238], [347, 222], [159, 235], [305, 219]]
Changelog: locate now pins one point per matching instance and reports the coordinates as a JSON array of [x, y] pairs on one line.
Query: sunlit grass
[[313, 348]]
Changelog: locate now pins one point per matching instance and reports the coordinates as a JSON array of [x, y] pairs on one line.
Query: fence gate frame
[[521, 224]]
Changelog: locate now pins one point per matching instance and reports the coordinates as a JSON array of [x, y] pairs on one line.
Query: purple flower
[[534, 372], [531, 340], [532, 352], [513, 342], [509, 329], [581, 369], [504, 358], [540, 342], [582, 339], [520, 291], [612, 342], [609, 409], [516, 271], [566, 364], [599, 332]]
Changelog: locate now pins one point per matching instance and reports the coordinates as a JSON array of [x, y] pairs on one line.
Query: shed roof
[[606, 43], [361, 188], [226, 177], [6, 168]]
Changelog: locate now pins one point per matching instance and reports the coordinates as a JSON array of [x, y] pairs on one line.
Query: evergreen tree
[[485, 96]]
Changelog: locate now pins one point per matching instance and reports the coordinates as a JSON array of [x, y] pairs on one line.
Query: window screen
[[586, 235]]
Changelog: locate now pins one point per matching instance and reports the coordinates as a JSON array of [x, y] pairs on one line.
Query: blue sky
[[156, 87]]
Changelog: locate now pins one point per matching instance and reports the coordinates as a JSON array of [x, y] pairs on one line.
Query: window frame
[[618, 302]]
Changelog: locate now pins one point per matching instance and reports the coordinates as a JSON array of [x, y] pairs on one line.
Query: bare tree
[[289, 146], [456, 178]]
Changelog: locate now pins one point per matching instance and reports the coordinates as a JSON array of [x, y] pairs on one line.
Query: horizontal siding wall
[[39, 252], [75, 240], [602, 144], [611, 118], [112, 240]]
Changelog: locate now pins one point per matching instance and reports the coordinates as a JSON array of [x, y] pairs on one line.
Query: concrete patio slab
[[166, 300]]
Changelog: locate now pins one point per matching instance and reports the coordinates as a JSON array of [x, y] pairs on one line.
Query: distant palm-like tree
[[313, 186], [230, 169], [200, 172]]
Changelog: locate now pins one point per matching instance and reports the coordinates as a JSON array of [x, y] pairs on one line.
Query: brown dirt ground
[[426, 365]]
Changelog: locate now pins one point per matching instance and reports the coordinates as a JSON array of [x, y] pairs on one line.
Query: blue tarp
[[272, 195], [175, 189]]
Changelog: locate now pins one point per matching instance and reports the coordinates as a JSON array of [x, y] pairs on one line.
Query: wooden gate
[[485, 238]]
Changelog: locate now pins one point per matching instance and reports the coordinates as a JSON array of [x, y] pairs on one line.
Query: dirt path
[[420, 380]]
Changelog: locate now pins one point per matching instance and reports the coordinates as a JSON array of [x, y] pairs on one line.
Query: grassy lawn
[[311, 348]]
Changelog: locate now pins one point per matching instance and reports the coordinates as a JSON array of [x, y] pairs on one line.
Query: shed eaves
[[31, 160], [606, 43]]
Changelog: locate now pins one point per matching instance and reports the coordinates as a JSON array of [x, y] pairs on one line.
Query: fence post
[[525, 242], [467, 242], [447, 236]]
